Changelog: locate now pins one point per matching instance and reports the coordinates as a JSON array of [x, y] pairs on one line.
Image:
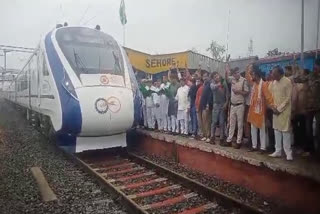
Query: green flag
[[122, 12]]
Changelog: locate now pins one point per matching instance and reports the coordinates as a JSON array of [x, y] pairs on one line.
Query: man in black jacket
[[205, 107], [193, 113]]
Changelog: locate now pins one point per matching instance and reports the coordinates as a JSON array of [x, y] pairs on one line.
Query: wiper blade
[[116, 65], [99, 65], [78, 60], [75, 58]]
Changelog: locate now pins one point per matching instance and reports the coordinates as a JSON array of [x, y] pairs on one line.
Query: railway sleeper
[[169, 202], [170, 193]]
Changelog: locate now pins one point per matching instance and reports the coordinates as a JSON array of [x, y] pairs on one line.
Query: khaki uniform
[[237, 108]]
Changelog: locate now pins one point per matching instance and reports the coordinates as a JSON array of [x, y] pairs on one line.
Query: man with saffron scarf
[[199, 113], [260, 97]]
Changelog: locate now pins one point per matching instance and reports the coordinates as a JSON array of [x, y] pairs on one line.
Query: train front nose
[[105, 110]]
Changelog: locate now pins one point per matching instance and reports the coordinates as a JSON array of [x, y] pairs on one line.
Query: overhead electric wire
[[84, 14], [15, 47]]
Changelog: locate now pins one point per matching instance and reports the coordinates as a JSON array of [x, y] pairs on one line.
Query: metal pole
[[227, 49], [5, 66], [317, 41], [124, 35], [302, 33], [5, 60]]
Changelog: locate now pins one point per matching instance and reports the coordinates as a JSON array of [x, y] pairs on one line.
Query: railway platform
[[295, 184]]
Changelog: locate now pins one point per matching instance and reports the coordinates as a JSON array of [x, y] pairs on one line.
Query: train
[[79, 87]]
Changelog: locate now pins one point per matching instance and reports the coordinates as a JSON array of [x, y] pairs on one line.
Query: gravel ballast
[[22, 147]]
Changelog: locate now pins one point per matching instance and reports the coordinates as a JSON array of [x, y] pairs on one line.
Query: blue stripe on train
[[71, 113]]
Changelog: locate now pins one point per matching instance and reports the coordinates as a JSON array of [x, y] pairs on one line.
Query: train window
[[90, 52], [18, 83], [24, 85], [22, 82], [45, 71]]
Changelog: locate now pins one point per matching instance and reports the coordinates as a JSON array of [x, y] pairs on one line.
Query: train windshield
[[90, 51]]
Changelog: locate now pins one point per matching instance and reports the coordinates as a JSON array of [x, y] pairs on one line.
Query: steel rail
[[132, 207], [195, 186], [116, 194]]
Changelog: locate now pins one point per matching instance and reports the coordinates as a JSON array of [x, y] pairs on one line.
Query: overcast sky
[[164, 26]]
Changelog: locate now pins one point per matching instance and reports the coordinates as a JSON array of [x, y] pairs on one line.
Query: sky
[[165, 26]]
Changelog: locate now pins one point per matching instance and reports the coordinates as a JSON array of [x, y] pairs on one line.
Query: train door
[[33, 83], [44, 85], [46, 89]]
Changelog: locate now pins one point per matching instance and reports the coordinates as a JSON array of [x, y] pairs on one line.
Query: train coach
[[78, 86]]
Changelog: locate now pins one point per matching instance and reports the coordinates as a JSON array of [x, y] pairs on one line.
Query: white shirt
[[155, 96], [163, 86], [182, 98], [149, 101]]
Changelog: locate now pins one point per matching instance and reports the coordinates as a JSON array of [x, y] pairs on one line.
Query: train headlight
[[67, 84]]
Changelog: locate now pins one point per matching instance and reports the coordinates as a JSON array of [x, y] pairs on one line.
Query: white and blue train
[[78, 85]]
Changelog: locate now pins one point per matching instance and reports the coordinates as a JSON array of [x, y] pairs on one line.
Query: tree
[[216, 50], [194, 50]]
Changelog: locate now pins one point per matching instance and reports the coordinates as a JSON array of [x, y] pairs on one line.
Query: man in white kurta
[[281, 90], [144, 112], [144, 108], [149, 106], [164, 105], [156, 107], [183, 107]]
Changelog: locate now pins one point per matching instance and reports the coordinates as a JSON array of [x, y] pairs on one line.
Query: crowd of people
[[283, 107]]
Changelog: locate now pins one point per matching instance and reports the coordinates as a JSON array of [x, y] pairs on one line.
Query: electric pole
[[250, 48]]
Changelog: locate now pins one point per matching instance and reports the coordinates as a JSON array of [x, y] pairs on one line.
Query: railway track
[[145, 187]]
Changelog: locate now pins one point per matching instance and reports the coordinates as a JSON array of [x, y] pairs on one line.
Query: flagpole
[[227, 49], [123, 19], [318, 20], [124, 35], [302, 34]]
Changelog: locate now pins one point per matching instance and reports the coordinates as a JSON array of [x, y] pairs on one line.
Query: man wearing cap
[[144, 93], [239, 89], [173, 104], [164, 104], [156, 101], [149, 105], [183, 106]]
